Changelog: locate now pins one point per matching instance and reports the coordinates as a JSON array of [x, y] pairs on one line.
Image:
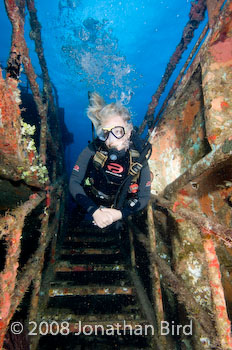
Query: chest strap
[[135, 167], [100, 158]]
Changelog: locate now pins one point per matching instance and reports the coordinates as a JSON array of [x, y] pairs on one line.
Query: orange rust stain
[[224, 105], [180, 220], [213, 285], [5, 304], [191, 109], [31, 156], [207, 232], [212, 138], [228, 338], [33, 196], [183, 192], [222, 309], [216, 103], [214, 263], [8, 275], [221, 51], [205, 202], [9, 115], [175, 205]]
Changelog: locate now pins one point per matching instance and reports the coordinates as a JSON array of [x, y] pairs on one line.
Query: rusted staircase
[[94, 298]]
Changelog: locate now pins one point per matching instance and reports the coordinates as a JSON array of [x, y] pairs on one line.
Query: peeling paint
[[221, 51]]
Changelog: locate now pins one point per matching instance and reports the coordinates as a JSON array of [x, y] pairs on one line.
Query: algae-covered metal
[[25, 173], [186, 236], [191, 163]]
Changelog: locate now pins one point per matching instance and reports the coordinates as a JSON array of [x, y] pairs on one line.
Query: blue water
[[119, 48]]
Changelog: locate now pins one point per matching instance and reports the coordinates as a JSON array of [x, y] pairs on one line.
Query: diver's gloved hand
[[114, 213], [102, 219]]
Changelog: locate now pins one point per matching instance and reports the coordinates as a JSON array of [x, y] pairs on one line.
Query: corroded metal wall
[[191, 164], [32, 197], [198, 117], [180, 140]]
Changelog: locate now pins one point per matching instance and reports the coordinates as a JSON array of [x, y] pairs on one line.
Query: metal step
[[66, 321], [119, 327], [92, 259], [90, 251], [95, 304], [65, 266], [90, 239], [89, 290], [67, 315], [98, 278], [89, 230]]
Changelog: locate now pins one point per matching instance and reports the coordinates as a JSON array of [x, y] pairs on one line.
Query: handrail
[[196, 15], [25, 164], [180, 76]]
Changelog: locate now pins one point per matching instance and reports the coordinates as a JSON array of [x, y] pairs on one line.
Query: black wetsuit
[[107, 180]]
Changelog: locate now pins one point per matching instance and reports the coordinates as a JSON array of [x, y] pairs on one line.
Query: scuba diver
[[111, 177]]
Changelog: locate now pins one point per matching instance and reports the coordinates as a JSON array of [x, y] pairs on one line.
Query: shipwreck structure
[[173, 264]]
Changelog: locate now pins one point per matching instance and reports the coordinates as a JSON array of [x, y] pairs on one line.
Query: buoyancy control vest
[[108, 169]]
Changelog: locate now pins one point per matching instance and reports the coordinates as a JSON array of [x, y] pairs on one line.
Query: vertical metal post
[[222, 322], [8, 279], [132, 249], [155, 276], [37, 280]]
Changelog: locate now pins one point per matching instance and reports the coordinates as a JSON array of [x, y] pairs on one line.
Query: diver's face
[[115, 130]]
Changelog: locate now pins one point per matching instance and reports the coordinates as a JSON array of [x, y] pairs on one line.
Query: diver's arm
[[76, 179], [144, 193]]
